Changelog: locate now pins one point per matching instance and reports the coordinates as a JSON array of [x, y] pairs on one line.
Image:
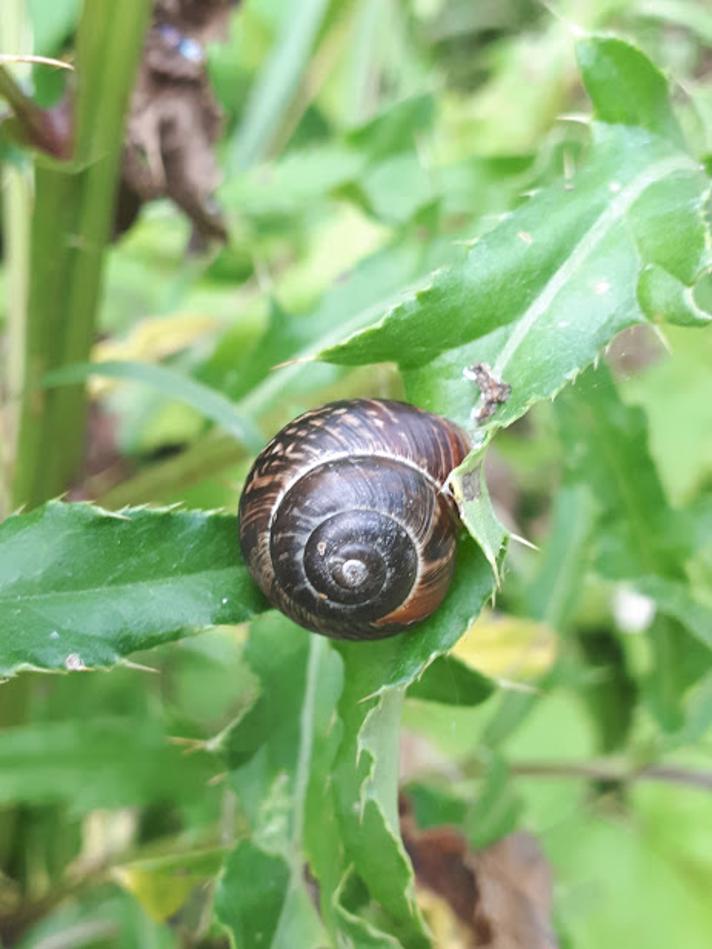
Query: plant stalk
[[614, 771], [16, 213], [70, 229]]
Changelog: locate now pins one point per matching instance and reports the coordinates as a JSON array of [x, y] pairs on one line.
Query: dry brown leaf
[[174, 119], [499, 897]]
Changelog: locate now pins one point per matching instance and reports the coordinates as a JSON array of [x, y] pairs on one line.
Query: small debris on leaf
[[494, 392]]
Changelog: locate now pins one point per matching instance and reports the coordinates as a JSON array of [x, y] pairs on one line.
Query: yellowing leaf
[[447, 929], [508, 647], [163, 885], [151, 340]]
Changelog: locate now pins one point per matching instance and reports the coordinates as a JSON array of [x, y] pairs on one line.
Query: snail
[[345, 521]]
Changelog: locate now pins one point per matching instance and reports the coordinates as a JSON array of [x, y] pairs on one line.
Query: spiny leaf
[[273, 751], [82, 588], [469, 487], [366, 788], [518, 271], [540, 295]]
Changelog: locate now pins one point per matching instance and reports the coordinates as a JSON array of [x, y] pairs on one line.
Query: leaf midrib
[[113, 587], [600, 228]]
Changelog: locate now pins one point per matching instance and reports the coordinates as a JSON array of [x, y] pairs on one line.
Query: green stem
[[55, 249], [16, 212], [71, 227]]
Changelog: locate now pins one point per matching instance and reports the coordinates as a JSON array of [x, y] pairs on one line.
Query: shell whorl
[[343, 519]]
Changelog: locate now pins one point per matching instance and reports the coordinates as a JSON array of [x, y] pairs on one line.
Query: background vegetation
[[409, 188]]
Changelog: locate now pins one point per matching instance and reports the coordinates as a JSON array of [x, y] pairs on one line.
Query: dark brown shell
[[344, 522]]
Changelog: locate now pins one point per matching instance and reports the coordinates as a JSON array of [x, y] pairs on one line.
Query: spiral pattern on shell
[[344, 522]]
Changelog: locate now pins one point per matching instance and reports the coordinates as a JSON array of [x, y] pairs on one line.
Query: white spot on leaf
[[74, 662]]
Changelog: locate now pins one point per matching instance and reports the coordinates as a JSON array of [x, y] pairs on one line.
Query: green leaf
[[497, 808], [52, 23], [261, 880], [676, 395], [436, 803], [677, 601], [366, 789], [130, 760], [672, 225], [366, 779], [101, 919], [469, 487], [352, 303], [360, 933], [639, 535], [625, 86], [277, 652], [210, 403], [556, 586], [261, 904], [276, 751], [450, 681], [619, 863], [395, 129], [82, 588], [396, 189], [669, 677], [277, 82], [590, 284], [662, 296], [610, 691], [558, 246], [294, 183], [355, 166], [606, 445], [542, 293]]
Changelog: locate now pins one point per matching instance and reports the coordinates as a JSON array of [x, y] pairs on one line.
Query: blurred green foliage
[[411, 187]]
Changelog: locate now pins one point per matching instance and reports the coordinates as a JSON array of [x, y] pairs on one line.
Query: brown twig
[[605, 770]]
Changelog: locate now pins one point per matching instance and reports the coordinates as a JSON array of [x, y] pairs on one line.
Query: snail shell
[[344, 522]]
